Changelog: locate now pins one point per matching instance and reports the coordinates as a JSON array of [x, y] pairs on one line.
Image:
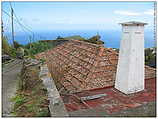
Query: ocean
[[111, 38]]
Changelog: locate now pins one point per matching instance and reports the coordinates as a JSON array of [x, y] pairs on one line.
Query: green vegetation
[[6, 48], [77, 37], [40, 46], [94, 39], [21, 50], [31, 99], [19, 100], [150, 57], [36, 47], [17, 45]]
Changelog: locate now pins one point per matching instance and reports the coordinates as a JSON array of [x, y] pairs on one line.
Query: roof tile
[[79, 66]]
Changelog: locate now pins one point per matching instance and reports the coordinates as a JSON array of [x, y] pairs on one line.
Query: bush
[[96, 40], [37, 47], [12, 52], [5, 46]]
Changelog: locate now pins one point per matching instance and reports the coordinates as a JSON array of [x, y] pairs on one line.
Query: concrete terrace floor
[[115, 103], [146, 110]]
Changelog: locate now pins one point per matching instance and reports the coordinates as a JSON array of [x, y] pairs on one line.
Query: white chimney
[[130, 68]]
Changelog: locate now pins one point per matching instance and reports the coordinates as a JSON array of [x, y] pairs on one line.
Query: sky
[[40, 16]]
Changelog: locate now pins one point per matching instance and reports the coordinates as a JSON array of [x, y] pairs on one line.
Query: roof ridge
[[87, 43]]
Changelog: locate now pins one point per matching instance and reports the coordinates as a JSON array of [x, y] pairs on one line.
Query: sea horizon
[[111, 38]]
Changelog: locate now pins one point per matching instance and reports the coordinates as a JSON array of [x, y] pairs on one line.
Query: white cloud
[[132, 13], [149, 12], [128, 13]]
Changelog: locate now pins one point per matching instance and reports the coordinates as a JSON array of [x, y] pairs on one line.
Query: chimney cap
[[133, 23]]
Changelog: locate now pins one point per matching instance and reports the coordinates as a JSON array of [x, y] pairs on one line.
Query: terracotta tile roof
[[150, 72], [79, 65]]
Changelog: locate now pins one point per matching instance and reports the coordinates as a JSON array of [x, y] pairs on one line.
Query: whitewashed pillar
[[130, 68]]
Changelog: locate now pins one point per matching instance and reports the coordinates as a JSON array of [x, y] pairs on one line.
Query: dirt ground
[[9, 85]]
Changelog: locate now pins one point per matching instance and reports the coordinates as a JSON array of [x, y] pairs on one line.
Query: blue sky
[[41, 16]]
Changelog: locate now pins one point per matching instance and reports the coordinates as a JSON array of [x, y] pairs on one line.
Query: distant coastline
[[111, 38]]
